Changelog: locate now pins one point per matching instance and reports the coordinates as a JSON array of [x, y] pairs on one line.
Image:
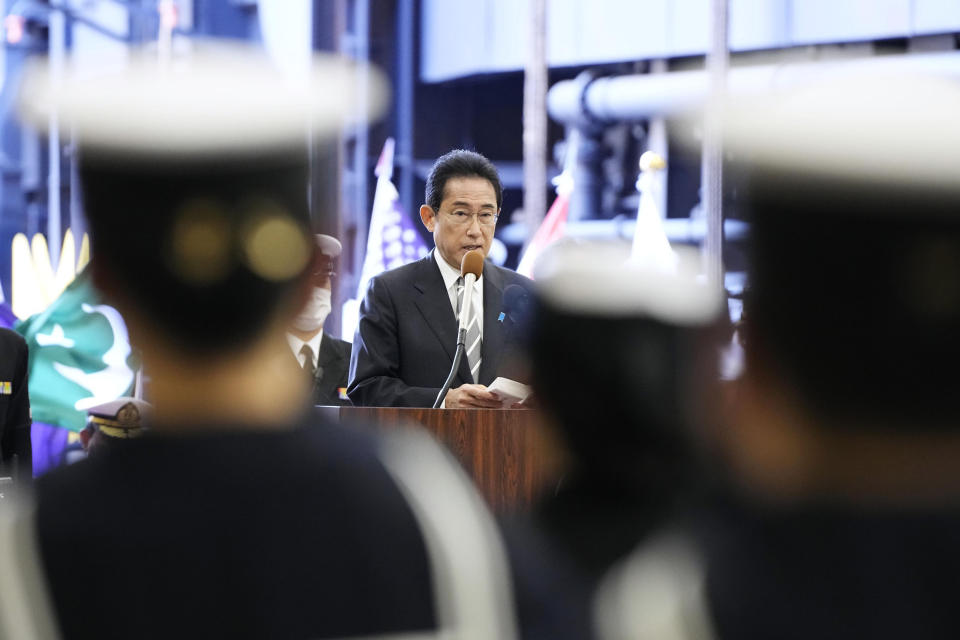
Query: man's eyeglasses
[[462, 218]]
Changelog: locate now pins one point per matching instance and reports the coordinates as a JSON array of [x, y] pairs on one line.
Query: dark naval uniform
[[296, 532], [333, 365], [15, 450]]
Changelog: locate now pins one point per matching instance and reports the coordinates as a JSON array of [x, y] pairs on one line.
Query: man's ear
[[428, 217]]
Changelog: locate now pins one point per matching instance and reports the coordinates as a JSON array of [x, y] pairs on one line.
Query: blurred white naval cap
[[880, 127], [215, 98], [328, 245], [598, 279]]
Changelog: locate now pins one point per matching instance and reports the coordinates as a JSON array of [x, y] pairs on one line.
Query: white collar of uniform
[[296, 344]]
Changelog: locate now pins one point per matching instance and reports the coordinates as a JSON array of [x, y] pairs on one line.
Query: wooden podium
[[502, 450]]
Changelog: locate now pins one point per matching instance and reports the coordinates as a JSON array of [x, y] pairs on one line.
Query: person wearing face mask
[[322, 357]]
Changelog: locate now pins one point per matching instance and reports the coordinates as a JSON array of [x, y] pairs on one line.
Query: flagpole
[[57, 39], [535, 119], [712, 168]]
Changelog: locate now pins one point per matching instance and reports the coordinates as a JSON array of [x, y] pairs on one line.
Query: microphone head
[[472, 263]]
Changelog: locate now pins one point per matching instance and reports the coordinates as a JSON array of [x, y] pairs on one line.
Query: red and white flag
[[555, 222], [551, 229]]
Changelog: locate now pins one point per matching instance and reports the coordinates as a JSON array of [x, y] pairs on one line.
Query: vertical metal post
[[77, 222], [352, 221], [360, 51], [586, 201], [329, 194], [406, 78], [4, 74], [535, 118], [712, 167], [57, 42], [326, 159], [657, 141]]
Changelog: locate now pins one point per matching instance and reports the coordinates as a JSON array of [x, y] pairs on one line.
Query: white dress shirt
[[296, 344]]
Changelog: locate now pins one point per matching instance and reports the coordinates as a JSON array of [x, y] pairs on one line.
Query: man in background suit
[[321, 356], [407, 334]]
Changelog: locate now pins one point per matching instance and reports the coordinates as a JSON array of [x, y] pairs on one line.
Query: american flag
[[392, 241]]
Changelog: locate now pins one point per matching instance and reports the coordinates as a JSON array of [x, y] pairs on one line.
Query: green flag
[[79, 354]]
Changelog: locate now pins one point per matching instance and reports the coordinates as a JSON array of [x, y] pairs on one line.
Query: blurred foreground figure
[[622, 357], [240, 515], [841, 516]]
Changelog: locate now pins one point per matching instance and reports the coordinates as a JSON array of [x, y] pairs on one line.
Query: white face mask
[[315, 311]]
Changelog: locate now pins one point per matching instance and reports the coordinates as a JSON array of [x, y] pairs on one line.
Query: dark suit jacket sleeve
[[342, 375], [16, 423], [332, 369], [375, 358]]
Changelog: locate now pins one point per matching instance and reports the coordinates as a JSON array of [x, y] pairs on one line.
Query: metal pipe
[[587, 195], [638, 97], [678, 230]]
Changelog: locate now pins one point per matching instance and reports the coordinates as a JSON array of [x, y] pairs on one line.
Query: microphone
[[471, 268]]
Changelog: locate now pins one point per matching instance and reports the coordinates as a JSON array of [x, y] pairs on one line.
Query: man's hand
[[471, 396]]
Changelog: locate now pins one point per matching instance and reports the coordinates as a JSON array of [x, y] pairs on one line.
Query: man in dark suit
[[15, 451], [407, 333], [322, 357]]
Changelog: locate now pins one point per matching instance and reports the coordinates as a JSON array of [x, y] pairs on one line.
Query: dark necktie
[[308, 365]]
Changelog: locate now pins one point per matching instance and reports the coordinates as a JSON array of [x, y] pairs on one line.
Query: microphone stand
[[457, 357], [471, 267]]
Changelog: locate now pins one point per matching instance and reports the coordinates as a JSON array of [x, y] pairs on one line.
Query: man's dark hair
[[133, 206], [460, 163]]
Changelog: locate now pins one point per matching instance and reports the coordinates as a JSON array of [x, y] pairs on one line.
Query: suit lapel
[[492, 347], [433, 302]]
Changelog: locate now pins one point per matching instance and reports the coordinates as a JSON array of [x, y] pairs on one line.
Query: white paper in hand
[[510, 391]]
